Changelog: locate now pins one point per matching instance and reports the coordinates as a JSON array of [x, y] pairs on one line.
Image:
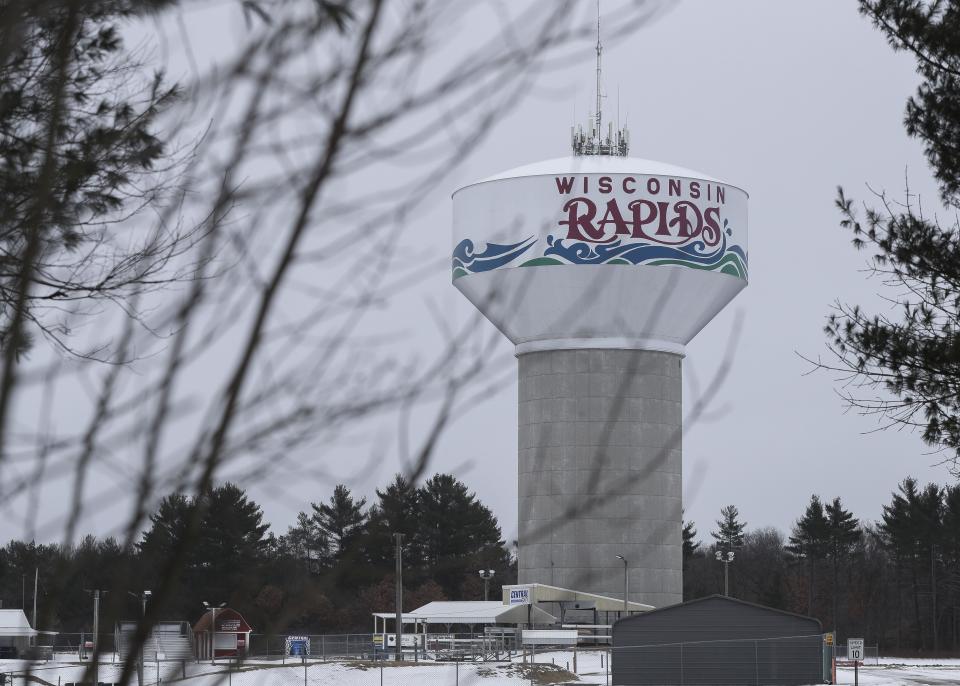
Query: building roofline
[[726, 598]]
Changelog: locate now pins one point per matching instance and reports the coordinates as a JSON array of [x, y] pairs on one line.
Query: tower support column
[[600, 472]]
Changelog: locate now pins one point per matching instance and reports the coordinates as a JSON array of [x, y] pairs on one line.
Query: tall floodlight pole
[[726, 560], [213, 629], [626, 583], [486, 575], [143, 597], [398, 650]]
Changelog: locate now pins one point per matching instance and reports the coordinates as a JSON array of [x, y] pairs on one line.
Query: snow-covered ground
[[935, 673], [550, 668], [313, 674]]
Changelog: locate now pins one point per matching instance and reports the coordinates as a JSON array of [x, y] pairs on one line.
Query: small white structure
[[550, 637], [15, 633]]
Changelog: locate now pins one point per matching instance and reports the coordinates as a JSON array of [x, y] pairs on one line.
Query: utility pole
[[96, 632], [933, 594], [398, 653], [96, 639], [36, 583]]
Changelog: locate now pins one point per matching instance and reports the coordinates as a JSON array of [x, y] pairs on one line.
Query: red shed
[[230, 639]]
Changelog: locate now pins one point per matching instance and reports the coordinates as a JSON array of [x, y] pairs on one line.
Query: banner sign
[[298, 646], [519, 596]]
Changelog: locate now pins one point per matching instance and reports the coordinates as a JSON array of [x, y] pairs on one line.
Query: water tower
[[600, 268]]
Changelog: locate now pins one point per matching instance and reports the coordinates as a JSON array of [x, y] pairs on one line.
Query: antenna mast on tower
[[599, 96], [593, 142]]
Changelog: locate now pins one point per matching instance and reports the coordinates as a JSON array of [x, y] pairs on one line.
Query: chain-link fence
[[179, 647], [554, 668], [784, 660], [473, 647]]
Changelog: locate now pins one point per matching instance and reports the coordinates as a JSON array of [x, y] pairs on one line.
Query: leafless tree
[[308, 154]]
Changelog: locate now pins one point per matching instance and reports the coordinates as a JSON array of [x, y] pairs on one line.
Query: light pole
[[144, 595], [626, 586], [398, 652], [726, 560], [486, 575], [213, 629]]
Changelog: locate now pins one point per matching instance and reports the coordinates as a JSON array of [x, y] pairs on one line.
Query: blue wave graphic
[[494, 255], [635, 253], [729, 259]]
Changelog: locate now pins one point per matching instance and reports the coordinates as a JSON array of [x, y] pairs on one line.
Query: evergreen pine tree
[[307, 543], [897, 532], [690, 543], [913, 352], [729, 527], [809, 540], [843, 534], [459, 534], [341, 521], [397, 510]]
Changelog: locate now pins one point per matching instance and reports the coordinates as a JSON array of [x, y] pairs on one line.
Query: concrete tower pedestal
[[600, 472]]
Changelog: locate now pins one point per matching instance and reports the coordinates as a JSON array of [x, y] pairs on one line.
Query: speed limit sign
[[855, 649]]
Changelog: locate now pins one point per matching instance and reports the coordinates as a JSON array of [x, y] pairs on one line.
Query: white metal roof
[[472, 612], [600, 164], [14, 623], [544, 593]]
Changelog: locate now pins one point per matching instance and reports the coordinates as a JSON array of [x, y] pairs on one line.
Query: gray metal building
[[717, 640]]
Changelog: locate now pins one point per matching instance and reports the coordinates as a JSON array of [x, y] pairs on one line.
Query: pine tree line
[[327, 573], [896, 582]]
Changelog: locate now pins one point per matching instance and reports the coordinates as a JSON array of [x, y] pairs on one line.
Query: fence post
[[323, 650], [681, 664], [304, 671], [756, 660], [457, 665]]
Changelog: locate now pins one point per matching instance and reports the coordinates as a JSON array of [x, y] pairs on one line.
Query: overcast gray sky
[[784, 99]]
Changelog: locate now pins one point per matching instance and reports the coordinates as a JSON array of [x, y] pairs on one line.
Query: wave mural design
[[467, 261], [723, 258], [726, 259]]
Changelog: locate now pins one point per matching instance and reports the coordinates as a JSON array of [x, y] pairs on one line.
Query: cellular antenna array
[[592, 141]]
